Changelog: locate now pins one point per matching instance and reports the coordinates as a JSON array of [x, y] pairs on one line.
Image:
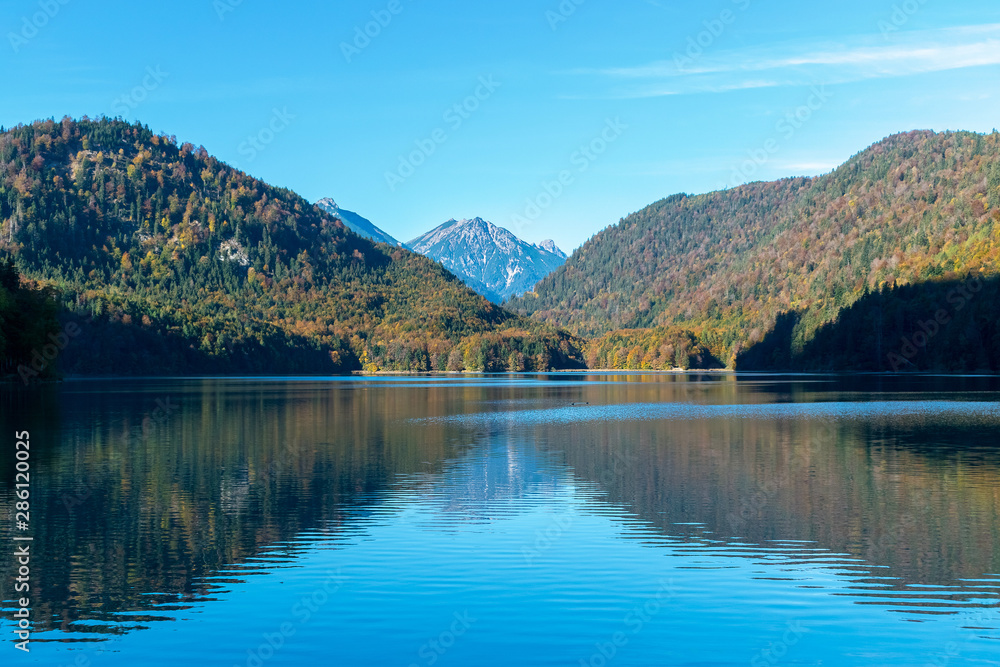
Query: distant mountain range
[[489, 259], [168, 261], [178, 264], [356, 223]]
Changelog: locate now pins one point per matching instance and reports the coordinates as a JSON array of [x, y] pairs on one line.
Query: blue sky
[[570, 114]]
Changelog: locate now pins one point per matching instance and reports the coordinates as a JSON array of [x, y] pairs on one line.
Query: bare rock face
[[489, 259]]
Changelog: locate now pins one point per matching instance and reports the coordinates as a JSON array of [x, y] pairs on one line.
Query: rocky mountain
[[356, 223], [490, 259], [549, 245], [802, 272], [169, 261]]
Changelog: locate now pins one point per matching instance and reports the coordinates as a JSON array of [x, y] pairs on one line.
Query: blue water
[[726, 525]]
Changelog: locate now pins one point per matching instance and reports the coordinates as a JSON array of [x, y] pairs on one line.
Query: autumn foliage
[[725, 266], [179, 263]]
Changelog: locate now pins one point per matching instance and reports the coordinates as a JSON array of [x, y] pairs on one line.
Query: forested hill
[[913, 208], [178, 263]]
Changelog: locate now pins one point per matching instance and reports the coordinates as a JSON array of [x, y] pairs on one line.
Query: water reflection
[[160, 499]]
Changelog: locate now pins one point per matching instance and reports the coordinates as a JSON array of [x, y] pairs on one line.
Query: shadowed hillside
[[945, 326], [725, 265]]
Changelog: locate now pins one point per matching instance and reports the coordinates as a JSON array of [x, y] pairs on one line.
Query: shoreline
[[13, 382]]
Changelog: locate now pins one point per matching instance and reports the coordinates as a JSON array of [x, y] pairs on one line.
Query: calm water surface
[[531, 520]]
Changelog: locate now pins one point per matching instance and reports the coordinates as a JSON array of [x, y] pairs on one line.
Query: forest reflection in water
[[156, 496]]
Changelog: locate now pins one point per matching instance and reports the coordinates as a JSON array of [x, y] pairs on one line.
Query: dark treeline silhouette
[[913, 208], [944, 326], [29, 326]]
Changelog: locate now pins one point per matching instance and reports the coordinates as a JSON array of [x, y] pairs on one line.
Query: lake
[[564, 519]]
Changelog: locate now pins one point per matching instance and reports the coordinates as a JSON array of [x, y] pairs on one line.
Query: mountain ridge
[[481, 253], [725, 265], [180, 263], [357, 223]]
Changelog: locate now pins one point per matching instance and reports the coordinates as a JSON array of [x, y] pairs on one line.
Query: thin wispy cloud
[[856, 59]]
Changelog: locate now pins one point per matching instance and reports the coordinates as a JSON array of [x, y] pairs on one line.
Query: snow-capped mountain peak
[[490, 259], [356, 223], [550, 246]]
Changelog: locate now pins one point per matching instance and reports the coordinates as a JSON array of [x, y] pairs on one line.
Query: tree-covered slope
[[915, 207], [941, 325], [27, 315], [181, 263]]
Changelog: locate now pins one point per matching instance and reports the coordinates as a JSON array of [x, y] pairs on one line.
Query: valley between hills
[[125, 252]]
